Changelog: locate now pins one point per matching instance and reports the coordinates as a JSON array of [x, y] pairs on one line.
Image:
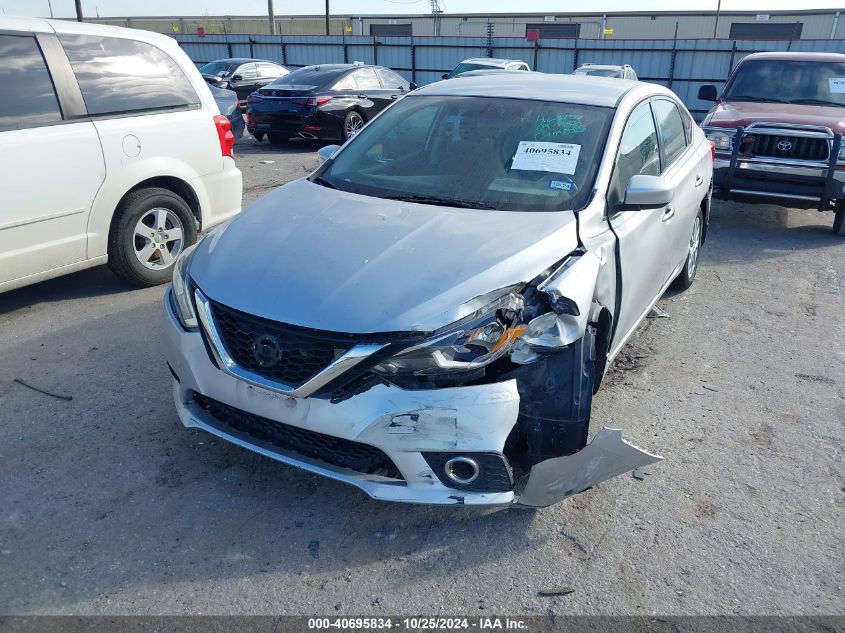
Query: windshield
[[477, 152], [220, 69], [465, 68], [778, 81]]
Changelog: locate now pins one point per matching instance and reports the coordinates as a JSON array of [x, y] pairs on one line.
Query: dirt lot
[[107, 505]]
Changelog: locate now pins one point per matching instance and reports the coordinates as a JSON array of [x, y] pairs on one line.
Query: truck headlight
[[722, 139], [182, 290], [468, 344]]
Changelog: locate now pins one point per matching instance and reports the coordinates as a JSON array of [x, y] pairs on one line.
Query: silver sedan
[[428, 314]]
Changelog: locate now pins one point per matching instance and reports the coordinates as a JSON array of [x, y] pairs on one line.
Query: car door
[[247, 82], [393, 83], [642, 234], [373, 98], [51, 162], [682, 167]]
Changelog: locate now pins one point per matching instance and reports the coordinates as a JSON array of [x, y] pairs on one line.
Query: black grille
[[302, 352], [799, 147], [326, 448], [494, 473]]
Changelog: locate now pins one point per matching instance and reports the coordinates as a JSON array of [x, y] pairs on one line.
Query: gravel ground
[[107, 505]]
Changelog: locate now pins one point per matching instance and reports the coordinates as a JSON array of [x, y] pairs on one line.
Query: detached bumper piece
[[285, 438], [770, 163]]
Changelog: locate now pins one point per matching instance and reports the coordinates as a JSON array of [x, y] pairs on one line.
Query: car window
[[523, 67], [347, 83], [638, 152], [23, 74], [367, 79], [247, 71], [485, 152], [391, 80], [123, 75], [268, 70], [672, 133]]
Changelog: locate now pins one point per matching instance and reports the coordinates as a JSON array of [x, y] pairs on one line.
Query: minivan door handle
[[668, 214], [698, 181]]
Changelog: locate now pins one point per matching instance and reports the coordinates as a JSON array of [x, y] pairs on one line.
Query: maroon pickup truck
[[777, 129]]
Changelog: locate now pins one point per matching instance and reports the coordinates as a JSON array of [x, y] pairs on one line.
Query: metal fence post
[[413, 61], [284, 51], [375, 51], [251, 48], [536, 48]]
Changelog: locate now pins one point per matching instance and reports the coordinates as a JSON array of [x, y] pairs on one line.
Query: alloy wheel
[[158, 238]]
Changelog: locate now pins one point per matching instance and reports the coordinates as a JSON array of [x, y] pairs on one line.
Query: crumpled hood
[[317, 257], [742, 113]]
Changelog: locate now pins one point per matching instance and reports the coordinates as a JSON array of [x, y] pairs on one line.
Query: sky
[[106, 8]]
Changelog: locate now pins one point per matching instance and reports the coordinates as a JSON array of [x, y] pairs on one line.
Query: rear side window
[[366, 79], [268, 70], [391, 80], [347, 83], [247, 72], [30, 99], [672, 131], [122, 75]]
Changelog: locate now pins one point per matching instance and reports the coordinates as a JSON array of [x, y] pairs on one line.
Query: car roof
[[602, 67], [581, 89], [243, 60], [491, 61], [810, 57], [41, 25]]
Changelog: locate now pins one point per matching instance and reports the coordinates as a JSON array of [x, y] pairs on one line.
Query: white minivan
[[112, 149]]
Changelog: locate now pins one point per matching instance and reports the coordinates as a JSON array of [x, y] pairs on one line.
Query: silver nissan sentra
[[428, 314]]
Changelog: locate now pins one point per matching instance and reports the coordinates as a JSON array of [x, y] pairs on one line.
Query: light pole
[[716, 24], [79, 10], [272, 17], [50, 5], [327, 17]]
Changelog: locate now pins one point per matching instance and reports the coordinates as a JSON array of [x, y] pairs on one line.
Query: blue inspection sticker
[[560, 184]]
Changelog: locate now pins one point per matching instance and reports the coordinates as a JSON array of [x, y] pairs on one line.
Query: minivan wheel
[[839, 220], [150, 229], [278, 139], [687, 275], [352, 124]]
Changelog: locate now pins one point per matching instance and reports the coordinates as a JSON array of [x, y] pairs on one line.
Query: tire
[[132, 252], [258, 136], [279, 139], [839, 220], [687, 275], [353, 122]]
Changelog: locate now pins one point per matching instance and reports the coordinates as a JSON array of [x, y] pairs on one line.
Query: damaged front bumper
[[392, 443]]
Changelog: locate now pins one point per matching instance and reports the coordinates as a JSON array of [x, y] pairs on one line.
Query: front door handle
[[698, 181], [362, 96], [394, 96], [668, 214]]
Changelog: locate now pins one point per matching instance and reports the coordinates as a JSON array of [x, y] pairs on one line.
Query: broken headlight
[[469, 344], [182, 290]]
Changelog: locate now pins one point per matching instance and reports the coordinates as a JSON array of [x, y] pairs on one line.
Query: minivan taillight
[[224, 133]]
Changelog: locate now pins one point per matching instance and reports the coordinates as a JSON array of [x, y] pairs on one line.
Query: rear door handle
[[668, 214], [698, 181]]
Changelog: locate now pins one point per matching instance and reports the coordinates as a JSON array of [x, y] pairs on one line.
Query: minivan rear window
[[123, 75], [23, 74]]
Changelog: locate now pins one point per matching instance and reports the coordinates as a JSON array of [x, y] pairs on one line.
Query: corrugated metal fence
[[682, 65]]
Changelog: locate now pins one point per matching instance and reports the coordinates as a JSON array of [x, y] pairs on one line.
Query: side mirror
[[237, 78], [648, 192], [326, 152], [413, 86], [707, 92], [445, 76]]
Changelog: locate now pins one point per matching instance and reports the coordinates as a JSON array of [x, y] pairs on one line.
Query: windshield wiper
[[446, 202], [818, 102], [753, 98], [319, 180]]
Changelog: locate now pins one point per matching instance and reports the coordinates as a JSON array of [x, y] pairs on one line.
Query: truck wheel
[[687, 275], [839, 220], [151, 227]]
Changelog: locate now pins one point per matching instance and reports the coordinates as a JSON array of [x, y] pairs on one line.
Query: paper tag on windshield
[[557, 158], [837, 85]]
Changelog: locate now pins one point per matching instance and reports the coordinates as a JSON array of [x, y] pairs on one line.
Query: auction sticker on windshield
[[557, 158], [837, 85]]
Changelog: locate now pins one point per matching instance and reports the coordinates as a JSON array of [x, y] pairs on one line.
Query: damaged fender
[[607, 456]]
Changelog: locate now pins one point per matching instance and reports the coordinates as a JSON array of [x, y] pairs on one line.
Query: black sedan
[[330, 102], [242, 74]]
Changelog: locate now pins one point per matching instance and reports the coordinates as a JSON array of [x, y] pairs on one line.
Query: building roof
[[582, 89]]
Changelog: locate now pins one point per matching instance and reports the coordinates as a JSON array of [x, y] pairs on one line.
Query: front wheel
[[687, 275], [150, 229], [839, 220]]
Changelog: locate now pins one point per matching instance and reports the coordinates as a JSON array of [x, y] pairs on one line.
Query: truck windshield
[[778, 81], [476, 152]]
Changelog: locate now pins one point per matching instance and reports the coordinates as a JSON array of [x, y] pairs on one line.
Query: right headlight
[[182, 290], [723, 139]]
